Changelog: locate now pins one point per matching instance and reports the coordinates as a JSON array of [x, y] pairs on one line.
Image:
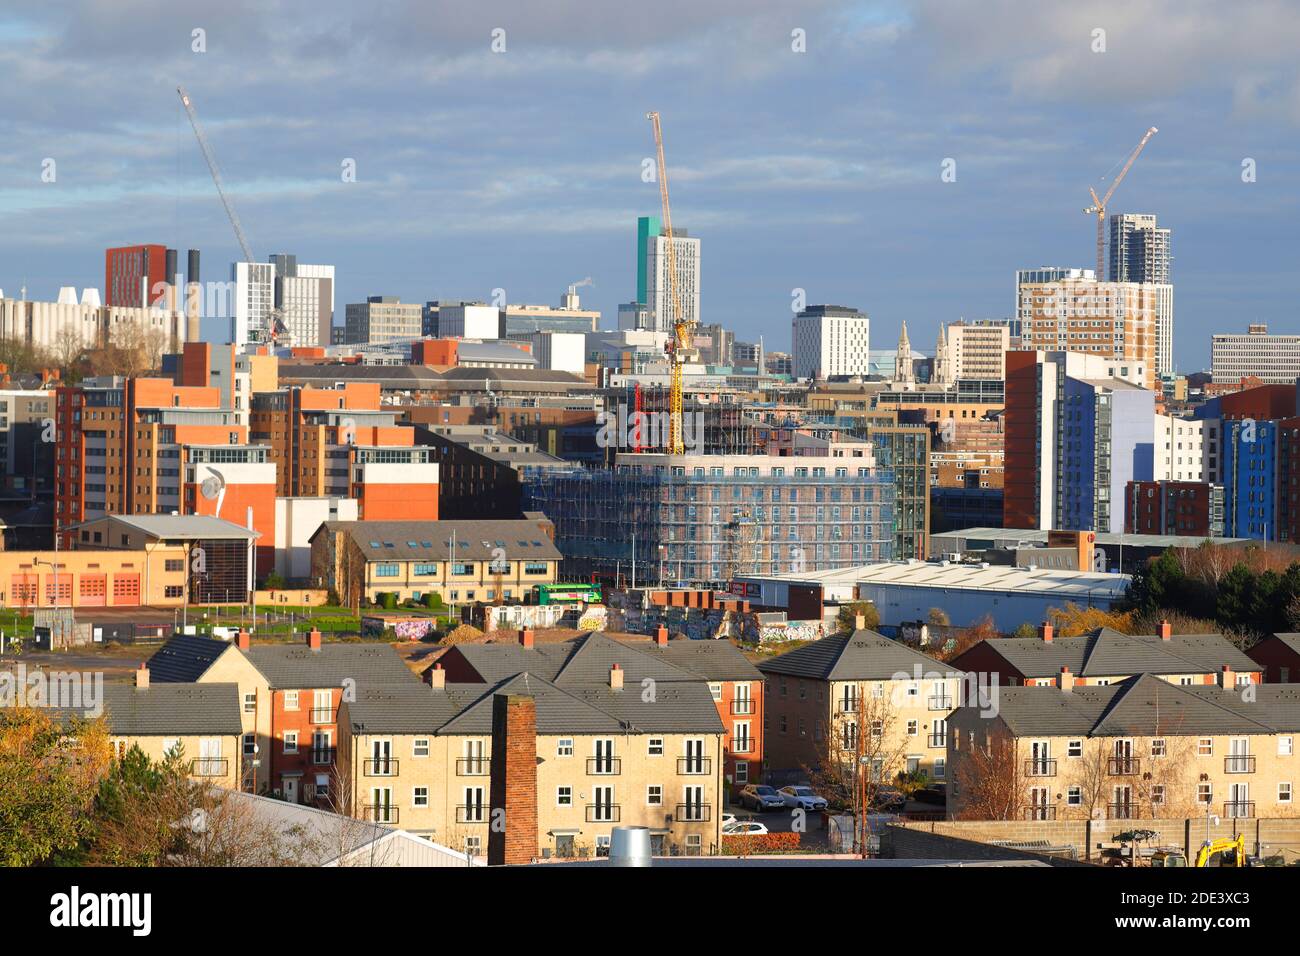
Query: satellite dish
[[214, 488]]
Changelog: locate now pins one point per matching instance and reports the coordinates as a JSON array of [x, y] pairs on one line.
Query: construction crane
[[1098, 206], [679, 346], [216, 173]]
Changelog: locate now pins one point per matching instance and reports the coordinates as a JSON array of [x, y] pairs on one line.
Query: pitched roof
[[863, 655], [409, 708], [712, 660], [521, 539], [166, 710], [185, 527], [298, 666], [1108, 653], [185, 658]]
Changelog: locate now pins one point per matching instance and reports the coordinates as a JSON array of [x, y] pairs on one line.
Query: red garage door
[[126, 589], [92, 590]]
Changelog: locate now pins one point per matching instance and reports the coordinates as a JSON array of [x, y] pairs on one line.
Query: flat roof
[[1009, 536], [978, 577]]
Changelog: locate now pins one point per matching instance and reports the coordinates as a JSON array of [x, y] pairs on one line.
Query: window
[[564, 796], [1284, 793], [1158, 747], [1205, 747], [250, 702], [291, 741], [877, 728], [912, 728], [1074, 748], [656, 747], [387, 570], [250, 744], [1204, 792], [716, 690], [420, 747], [654, 796], [290, 700], [564, 747], [1074, 796], [940, 768], [1285, 746], [420, 797], [1158, 795]]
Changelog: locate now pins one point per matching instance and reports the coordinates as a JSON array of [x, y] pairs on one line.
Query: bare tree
[[988, 776]]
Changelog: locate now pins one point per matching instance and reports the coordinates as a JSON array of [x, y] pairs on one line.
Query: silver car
[[804, 798]]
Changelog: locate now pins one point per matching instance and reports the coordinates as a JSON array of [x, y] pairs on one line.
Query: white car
[[727, 820], [804, 798], [744, 828]]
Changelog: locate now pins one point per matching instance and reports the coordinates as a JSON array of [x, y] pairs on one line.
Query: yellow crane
[[1098, 206], [679, 346]]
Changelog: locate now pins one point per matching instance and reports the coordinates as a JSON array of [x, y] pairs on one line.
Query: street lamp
[[54, 568]]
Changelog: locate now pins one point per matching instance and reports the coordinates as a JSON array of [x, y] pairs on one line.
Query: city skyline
[[522, 169]]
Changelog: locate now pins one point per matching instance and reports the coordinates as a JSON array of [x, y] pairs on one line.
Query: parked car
[[745, 828], [889, 800], [759, 796], [727, 820], [802, 797], [935, 793]]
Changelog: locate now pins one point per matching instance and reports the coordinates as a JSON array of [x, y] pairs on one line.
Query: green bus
[[568, 593]]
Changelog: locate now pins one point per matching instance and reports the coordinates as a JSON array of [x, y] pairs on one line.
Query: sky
[[520, 168]]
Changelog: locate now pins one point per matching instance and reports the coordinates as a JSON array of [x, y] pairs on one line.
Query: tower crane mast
[[1098, 206]]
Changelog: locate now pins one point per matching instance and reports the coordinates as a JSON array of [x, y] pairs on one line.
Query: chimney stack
[[616, 678], [526, 637], [1165, 631], [661, 635], [437, 677], [1045, 632], [313, 639], [142, 677], [514, 780], [1065, 680], [1227, 679], [243, 641]]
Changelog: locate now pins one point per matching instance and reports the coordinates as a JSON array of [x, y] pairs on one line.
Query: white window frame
[[653, 799], [651, 744], [416, 798], [1289, 791], [560, 794], [1285, 746], [291, 741], [290, 700], [416, 745], [1071, 746], [564, 747]]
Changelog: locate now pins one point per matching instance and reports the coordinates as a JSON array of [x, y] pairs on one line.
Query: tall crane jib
[[211, 160], [679, 346], [1098, 207]]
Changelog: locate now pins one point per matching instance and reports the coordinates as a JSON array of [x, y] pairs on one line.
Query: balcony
[[693, 813], [1040, 811], [472, 813], [1239, 808], [322, 715], [1122, 811], [1040, 767], [848, 705], [1239, 763], [604, 766], [1122, 766], [380, 813], [381, 767], [472, 767], [604, 812], [937, 740], [694, 766], [209, 767], [323, 755], [743, 705], [742, 745], [939, 702]]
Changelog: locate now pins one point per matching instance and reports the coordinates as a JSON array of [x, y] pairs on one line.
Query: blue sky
[[521, 170]]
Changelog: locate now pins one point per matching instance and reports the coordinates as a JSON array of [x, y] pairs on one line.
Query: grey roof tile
[[863, 655]]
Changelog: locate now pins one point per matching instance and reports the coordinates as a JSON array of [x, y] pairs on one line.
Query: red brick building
[[1173, 507]]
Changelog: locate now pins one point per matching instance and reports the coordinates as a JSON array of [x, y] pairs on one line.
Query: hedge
[[746, 844]]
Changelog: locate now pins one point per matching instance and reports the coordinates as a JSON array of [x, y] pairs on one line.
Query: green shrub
[[388, 600]]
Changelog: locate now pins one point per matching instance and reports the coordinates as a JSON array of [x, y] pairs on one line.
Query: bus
[[568, 593]]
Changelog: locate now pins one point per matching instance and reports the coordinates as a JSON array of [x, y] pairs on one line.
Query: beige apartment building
[[817, 695], [1115, 320], [971, 352], [1142, 748], [425, 759]]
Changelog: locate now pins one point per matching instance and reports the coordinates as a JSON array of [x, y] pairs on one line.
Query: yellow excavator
[[1223, 852]]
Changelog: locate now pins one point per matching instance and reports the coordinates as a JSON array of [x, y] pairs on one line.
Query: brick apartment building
[[1174, 507]]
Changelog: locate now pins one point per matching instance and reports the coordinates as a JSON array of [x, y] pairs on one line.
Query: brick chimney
[[243, 641], [142, 677], [1065, 680], [313, 639], [1227, 679], [1045, 632], [514, 781], [527, 637], [437, 677], [1165, 630], [616, 678], [661, 635]]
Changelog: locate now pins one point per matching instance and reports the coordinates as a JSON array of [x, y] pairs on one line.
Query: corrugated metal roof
[[520, 539], [973, 577]]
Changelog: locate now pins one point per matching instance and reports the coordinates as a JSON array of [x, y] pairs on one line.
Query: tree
[[988, 776], [49, 774], [846, 620], [938, 617], [1074, 620], [966, 638], [273, 582]]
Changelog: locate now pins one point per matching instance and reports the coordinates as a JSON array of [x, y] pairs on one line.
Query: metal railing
[[381, 813], [1040, 767], [322, 715], [1123, 766], [1239, 808], [693, 812], [604, 812], [210, 767], [1127, 810], [694, 766], [848, 705], [743, 705], [1038, 812], [937, 740], [604, 766], [1239, 763], [472, 767], [323, 754], [939, 702], [380, 767], [472, 813], [742, 745]]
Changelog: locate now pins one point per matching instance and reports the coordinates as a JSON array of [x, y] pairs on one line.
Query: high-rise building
[[1113, 320], [382, 318], [652, 272], [254, 300], [137, 276], [1139, 250], [304, 299], [830, 340], [1271, 358], [971, 352], [1076, 433]]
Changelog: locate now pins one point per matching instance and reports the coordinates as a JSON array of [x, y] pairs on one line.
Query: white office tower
[[254, 298], [830, 340], [304, 301], [687, 251], [469, 320]]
